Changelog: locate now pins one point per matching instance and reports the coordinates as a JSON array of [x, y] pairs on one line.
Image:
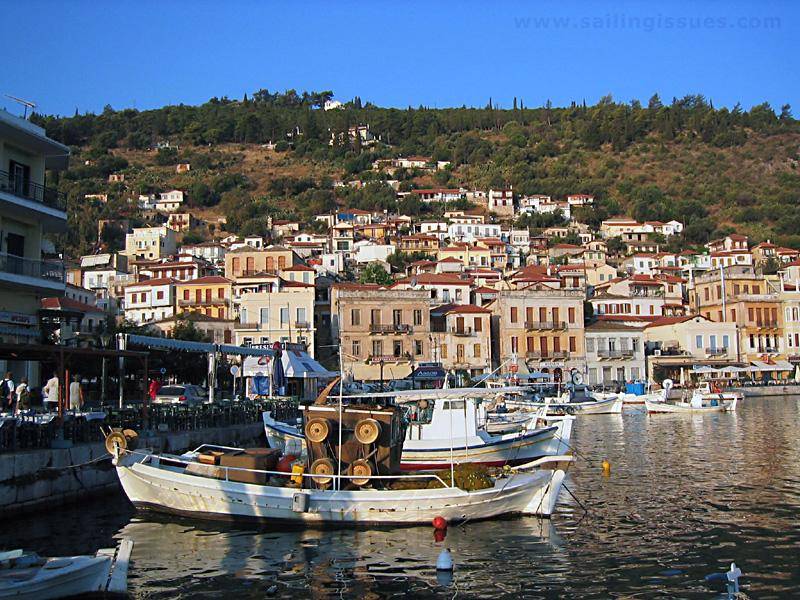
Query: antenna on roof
[[26, 103]]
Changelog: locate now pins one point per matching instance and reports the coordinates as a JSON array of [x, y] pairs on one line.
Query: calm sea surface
[[686, 496]]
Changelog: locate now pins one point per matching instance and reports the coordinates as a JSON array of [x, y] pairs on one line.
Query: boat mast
[[341, 393]]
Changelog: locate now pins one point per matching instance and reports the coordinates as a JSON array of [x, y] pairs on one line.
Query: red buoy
[[439, 523], [285, 463]]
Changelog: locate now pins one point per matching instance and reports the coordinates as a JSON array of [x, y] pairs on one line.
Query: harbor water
[[686, 495]]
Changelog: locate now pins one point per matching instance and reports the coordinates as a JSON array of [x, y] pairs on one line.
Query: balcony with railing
[[626, 353], [388, 358], [27, 271], [203, 302], [767, 350], [463, 332], [556, 354], [544, 325], [302, 325], [30, 190], [716, 351], [767, 324], [389, 328]]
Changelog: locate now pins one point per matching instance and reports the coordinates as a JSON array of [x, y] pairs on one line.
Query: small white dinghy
[[28, 576]]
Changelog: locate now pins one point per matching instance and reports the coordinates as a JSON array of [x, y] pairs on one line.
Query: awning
[[244, 351], [296, 365], [169, 343], [299, 364], [779, 365], [186, 346], [428, 373]]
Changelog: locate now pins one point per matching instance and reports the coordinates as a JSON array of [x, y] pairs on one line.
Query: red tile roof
[[151, 282], [206, 280], [437, 279], [447, 309], [674, 320]]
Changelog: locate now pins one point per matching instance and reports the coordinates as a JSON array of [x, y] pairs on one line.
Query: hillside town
[[381, 293]]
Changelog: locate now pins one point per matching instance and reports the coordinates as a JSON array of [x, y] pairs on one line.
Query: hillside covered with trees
[[718, 170]]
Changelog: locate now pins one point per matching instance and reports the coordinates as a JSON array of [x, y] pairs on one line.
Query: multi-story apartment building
[[150, 243], [466, 232], [380, 332], [183, 268], [680, 343], [286, 315], [211, 251], [29, 211], [639, 298], [540, 327], [246, 262], [210, 295], [739, 295], [470, 255], [501, 202], [461, 338], [787, 286], [441, 287], [614, 353], [150, 300]]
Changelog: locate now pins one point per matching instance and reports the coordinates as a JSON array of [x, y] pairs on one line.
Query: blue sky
[[79, 54]]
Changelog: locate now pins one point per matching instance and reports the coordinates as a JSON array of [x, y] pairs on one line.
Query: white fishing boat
[[182, 485], [27, 576], [451, 426], [697, 404], [564, 405], [702, 399]]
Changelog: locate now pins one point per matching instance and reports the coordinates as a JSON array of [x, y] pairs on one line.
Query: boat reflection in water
[[203, 559]]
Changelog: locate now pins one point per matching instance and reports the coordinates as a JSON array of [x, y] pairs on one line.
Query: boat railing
[[147, 455]]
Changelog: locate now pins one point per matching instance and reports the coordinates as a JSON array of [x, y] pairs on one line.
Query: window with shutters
[[355, 316], [476, 350]]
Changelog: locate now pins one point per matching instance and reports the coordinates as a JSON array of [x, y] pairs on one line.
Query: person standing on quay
[[75, 394], [7, 392], [23, 396], [50, 392]]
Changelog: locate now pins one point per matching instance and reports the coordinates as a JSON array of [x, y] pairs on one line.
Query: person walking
[[23, 396], [50, 392], [155, 385], [75, 394], [7, 392]]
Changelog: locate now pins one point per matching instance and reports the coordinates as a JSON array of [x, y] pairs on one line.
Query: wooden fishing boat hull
[[151, 486], [426, 455], [654, 407]]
